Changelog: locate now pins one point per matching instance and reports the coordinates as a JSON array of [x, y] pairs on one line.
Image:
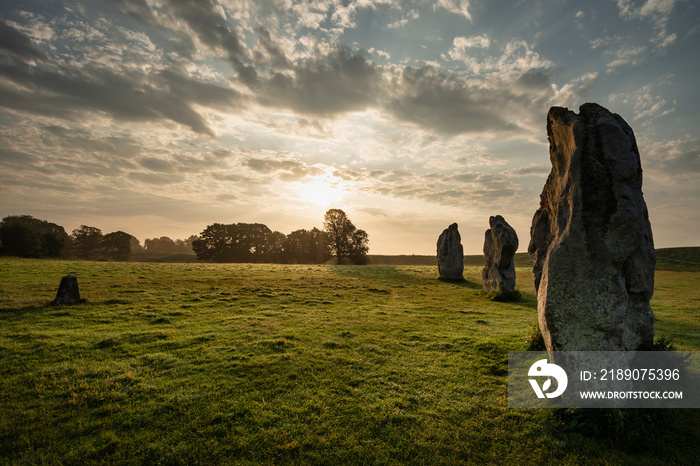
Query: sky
[[160, 117]]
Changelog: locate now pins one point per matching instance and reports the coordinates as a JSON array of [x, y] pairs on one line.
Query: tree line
[[255, 242], [26, 236]]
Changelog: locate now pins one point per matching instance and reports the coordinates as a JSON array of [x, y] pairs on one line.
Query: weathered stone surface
[[450, 254], [591, 241], [500, 244], [67, 291]]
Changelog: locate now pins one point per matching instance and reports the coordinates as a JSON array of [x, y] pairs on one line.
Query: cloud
[[626, 56], [286, 170], [658, 12], [156, 164], [132, 96], [380, 53], [532, 169], [140, 83], [207, 20], [429, 98], [341, 81], [647, 103], [118, 84], [412, 14], [673, 160], [466, 189], [458, 7], [514, 58], [16, 158], [17, 43], [374, 212], [574, 91], [483, 42], [139, 10], [158, 179]]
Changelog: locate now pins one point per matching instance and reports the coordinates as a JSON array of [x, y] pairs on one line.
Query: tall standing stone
[[67, 291], [500, 244], [591, 241], [450, 254]]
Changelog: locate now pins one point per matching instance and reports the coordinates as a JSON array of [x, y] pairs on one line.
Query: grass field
[[187, 363]]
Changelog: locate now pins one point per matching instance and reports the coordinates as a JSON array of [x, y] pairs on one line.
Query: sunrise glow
[[320, 192]]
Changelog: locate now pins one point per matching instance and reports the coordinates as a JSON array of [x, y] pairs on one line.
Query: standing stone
[[450, 254], [591, 241], [67, 291], [500, 245]]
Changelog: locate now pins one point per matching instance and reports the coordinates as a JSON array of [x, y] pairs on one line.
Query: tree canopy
[[117, 246], [305, 247], [239, 242], [87, 242], [345, 241], [26, 236], [167, 245], [254, 242]]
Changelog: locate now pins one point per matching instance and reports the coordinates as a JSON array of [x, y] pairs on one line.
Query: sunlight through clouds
[[320, 192]]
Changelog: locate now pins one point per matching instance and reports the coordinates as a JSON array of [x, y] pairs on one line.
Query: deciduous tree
[[345, 241], [240, 242], [87, 242], [306, 247], [117, 246], [26, 236]]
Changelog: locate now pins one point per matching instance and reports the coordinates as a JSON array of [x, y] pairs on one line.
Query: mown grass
[[248, 364]]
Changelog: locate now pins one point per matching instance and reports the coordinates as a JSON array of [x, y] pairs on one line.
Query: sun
[[320, 192]]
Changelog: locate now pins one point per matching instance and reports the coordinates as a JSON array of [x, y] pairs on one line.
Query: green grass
[[248, 364], [678, 259]]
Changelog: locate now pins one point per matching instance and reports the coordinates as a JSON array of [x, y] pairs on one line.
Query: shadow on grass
[[371, 271], [22, 310], [48, 306], [462, 282], [666, 435]]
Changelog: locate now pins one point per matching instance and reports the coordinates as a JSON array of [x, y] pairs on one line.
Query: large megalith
[[450, 254], [500, 244], [591, 241], [67, 291]]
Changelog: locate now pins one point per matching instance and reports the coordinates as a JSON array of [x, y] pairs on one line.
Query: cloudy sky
[[159, 117]]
